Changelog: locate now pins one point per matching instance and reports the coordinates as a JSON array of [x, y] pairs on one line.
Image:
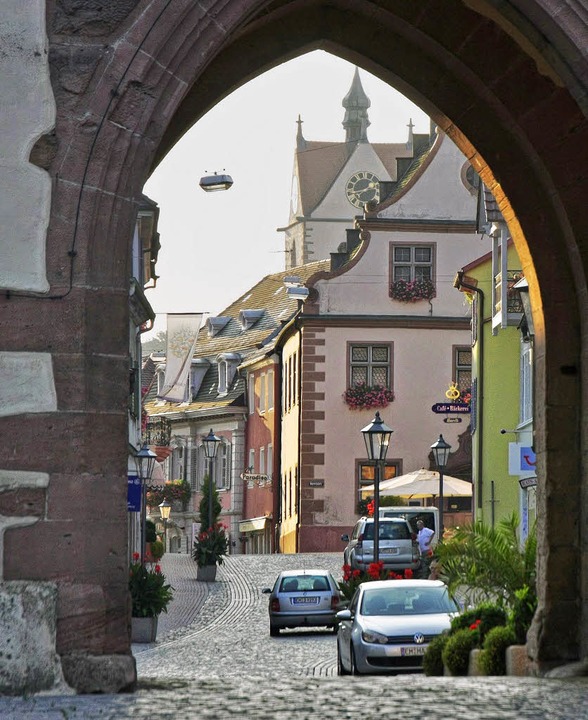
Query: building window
[[262, 393], [222, 467], [195, 471], [270, 390], [222, 377], [412, 262], [462, 369], [370, 365], [526, 383], [366, 476], [262, 461], [251, 398], [270, 461], [251, 460], [289, 383]]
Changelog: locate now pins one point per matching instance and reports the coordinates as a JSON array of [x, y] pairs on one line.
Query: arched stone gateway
[[507, 81]]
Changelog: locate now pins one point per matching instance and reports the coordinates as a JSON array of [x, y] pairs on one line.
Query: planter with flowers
[[408, 291], [210, 547], [365, 397], [150, 595], [176, 492], [353, 578]]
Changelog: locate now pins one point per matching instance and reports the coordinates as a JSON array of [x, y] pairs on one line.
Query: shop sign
[[451, 408], [133, 493]]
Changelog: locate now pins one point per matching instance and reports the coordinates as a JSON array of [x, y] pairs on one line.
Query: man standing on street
[[424, 537]]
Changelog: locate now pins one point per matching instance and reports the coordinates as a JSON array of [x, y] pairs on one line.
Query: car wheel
[[354, 670], [340, 667], [274, 630]]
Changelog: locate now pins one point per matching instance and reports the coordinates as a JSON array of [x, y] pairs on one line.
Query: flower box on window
[[365, 397], [412, 290]]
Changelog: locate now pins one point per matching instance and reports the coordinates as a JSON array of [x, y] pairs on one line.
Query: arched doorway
[[506, 83]]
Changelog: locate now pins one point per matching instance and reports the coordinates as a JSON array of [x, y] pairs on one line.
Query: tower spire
[[356, 103], [300, 141]]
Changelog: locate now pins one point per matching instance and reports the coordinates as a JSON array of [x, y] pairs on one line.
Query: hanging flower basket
[[412, 290], [173, 491], [365, 397]]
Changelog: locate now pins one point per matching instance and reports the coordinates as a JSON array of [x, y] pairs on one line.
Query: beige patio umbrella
[[422, 483]]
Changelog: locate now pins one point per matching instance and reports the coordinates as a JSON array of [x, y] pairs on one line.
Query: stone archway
[[507, 81]]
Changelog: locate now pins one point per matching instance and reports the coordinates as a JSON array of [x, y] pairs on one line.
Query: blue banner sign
[[133, 493], [451, 408]]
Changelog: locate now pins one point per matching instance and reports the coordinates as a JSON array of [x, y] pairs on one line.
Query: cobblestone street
[[214, 658]]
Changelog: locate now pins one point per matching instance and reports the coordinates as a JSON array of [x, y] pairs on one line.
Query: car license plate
[[304, 600], [413, 650], [389, 551]]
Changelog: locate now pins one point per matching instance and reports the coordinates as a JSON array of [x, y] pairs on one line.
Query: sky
[[215, 246]]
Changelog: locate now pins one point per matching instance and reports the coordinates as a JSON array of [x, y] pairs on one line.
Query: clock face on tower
[[362, 187]]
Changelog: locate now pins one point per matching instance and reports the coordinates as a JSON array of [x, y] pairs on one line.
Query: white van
[[429, 515]]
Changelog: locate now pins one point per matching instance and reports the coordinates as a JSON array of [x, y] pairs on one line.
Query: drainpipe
[[460, 284]]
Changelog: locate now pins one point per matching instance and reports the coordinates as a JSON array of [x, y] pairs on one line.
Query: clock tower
[[333, 181]]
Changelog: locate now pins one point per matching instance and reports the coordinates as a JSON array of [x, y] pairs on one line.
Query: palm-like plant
[[489, 563]]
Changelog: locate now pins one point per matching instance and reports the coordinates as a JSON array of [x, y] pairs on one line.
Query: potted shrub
[[210, 547], [150, 595], [212, 543], [493, 657], [157, 550]]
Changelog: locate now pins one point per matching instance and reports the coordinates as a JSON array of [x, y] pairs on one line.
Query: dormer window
[[160, 378], [227, 367], [248, 318], [198, 370], [216, 324]]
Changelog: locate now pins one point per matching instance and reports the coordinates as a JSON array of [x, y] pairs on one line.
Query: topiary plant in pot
[[493, 657], [433, 657], [456, 653]]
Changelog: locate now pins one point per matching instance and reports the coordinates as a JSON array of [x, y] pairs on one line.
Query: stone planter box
[[207, 573], [143, 629], [518, 663], [474, 664]]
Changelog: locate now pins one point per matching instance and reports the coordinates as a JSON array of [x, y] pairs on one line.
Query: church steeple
[[300, 141], [356, 103]]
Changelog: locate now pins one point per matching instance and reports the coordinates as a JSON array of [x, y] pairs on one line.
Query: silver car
[[398, 548], [303, 598], [389, 624]]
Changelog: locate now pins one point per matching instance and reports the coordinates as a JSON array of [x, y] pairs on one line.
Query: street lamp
[[145, 464], [377, 438], [441, 452], [164, 511], [211, 443], [215, 182]]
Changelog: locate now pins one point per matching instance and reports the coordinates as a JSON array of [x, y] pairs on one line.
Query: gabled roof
[[321, 163], [271, 295]]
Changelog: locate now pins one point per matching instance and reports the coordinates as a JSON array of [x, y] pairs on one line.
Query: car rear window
[[303, 583], [388, 531]]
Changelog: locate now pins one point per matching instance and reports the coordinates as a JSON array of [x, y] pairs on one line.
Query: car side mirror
[[266, 591], [345, 538], [344, 615]]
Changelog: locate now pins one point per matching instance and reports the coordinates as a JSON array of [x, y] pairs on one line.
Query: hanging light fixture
[[216, 181]]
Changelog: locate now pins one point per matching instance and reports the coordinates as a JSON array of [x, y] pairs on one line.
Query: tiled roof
[[270, 294]]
